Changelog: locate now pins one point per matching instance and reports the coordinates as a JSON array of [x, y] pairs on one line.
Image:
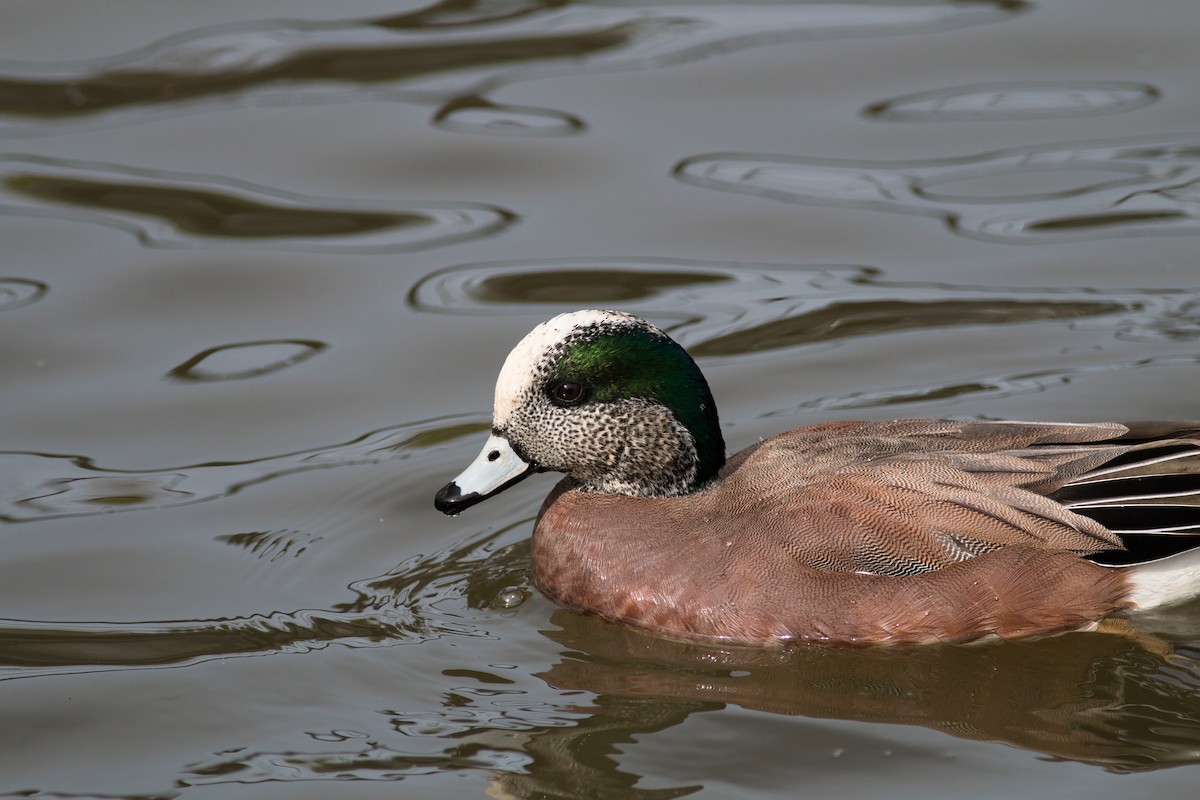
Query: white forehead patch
[[521, 365]]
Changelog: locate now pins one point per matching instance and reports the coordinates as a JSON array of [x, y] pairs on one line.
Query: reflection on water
[[1004, 101], [451, 52], [1151, 186], [170, 209], [1087, 697]]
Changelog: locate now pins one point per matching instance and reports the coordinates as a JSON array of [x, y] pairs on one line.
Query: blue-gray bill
[[495, 469]]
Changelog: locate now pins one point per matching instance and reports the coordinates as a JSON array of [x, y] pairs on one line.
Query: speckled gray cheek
[[576, 440], [655, 451], [632, 446]]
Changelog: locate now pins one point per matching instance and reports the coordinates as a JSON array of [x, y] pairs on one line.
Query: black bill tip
[[451, 500]]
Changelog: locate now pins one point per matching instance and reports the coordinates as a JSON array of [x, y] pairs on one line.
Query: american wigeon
[[845, 532]]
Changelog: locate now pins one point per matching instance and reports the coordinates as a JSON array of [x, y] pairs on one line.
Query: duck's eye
[[566, 393]]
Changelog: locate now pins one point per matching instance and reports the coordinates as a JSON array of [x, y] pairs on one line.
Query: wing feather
[[912, 496]]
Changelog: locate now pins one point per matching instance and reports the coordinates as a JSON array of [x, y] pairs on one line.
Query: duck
[[856, 533]]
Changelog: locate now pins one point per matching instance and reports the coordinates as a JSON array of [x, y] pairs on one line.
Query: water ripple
[[372, 762], [272, 545], [1005, 385], [231, 362], [174, 209], [38, 486], [446, 593], [18, 292], [462, 735], [1132, 187], [720, 309], [440, 54], [478, 115], [31, 647], [1015, 100]]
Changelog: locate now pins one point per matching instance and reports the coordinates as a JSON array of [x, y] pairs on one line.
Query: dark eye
[[566, 393]]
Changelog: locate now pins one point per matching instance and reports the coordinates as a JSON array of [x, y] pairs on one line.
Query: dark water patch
[[36, 486], [478, 115], [169, 209], [231, 362], [1155, 191], [586, 286], [203, 213], [230, 64], [31, 648], [439, 54], [1015, 100], [451, 14], [1113, 220], [717, 309], [474, 674]]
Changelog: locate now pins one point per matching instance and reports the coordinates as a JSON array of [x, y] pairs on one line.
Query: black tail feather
[[1149, 496]]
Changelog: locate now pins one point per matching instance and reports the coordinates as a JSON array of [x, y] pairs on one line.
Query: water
[[262, 263]]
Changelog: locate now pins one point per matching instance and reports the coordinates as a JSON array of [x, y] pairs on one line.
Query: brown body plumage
[[857, 533]]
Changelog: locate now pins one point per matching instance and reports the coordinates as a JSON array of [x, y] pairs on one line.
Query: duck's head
[[605, 397]]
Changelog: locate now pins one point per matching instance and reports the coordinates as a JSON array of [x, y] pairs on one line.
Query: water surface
[[263, 261]]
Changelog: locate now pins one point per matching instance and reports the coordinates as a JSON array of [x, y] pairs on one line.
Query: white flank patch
[[521, 365], [1167, 582]]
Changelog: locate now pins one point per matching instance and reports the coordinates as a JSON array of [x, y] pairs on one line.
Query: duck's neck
[[669, 452], [696, 411], [709, 444]]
